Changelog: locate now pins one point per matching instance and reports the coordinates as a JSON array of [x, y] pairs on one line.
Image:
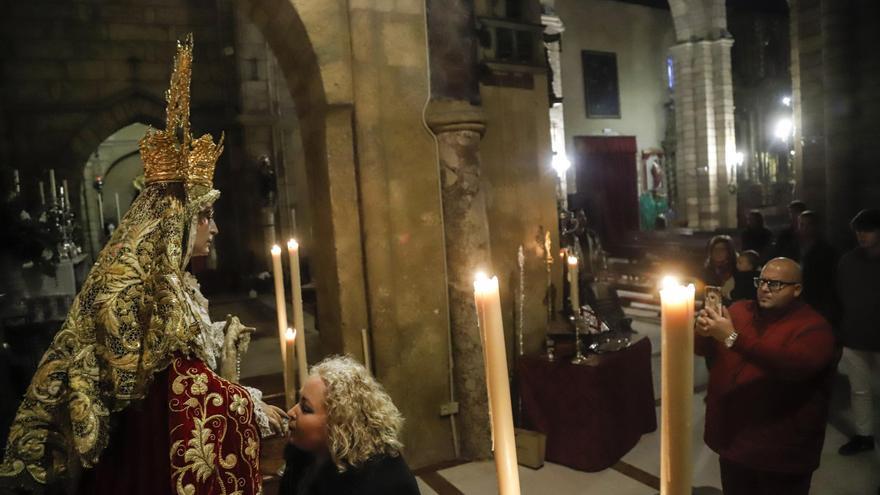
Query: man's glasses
[[773, 285]]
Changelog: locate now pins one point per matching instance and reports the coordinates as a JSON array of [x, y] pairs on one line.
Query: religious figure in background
[[127, 398]]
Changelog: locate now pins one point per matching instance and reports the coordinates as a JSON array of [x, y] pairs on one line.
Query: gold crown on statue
[[172, 155]]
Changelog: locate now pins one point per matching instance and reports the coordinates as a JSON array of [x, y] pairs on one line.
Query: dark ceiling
[[769, 6]]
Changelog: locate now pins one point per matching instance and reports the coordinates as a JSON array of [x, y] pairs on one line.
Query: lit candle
[[677, 387], [281, 314], [297, 304], [365, 343], [42, 194], [488, 305], [118, 214], [290, 367], [52, 187], [573, 284]]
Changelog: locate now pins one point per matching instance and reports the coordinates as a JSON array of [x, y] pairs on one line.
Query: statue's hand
[[237, 336]]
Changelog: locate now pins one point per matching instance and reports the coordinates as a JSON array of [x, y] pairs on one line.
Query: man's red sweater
[[768, 397]]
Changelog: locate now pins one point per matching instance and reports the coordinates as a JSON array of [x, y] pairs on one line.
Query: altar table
[[592, 414]]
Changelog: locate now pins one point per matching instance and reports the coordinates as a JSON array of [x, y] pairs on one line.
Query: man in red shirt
[[769, 386]]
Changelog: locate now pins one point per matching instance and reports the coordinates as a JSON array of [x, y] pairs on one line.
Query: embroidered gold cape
[[129, 321]]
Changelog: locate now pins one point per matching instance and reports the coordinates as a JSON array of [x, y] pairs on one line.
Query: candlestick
[[118, 213], [296, 303], [281, 314], [42, 194], [289, 365], [488, 303], [677, 387], [61, 195], [521, 263], [101, 211], [365, 344]]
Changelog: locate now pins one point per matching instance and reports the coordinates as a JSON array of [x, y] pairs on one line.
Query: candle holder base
[[579, 359]]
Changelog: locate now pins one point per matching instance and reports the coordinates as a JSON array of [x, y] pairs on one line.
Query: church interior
[[577, 150]]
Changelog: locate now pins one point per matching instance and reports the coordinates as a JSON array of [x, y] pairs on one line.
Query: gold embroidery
[[202, 453], [238, 405], [122, 328]]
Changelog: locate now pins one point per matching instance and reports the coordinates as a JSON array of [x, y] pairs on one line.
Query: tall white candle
[[16, 181], [296, 303], [118, 211], [365, 344], [573, 284], [42, 194], [52, 186], [281, 314], [488, 303], [289, 366], [101, 211], [677, 387], [65, 199]]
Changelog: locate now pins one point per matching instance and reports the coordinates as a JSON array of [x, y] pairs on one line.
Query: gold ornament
[[172, 155]]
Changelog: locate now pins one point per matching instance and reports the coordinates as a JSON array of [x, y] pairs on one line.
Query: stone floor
[[636, 474]]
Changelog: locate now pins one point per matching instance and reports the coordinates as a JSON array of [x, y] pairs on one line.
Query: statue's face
[[206, 229]]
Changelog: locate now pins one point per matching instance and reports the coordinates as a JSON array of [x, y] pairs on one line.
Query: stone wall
[[836, 73], [640, 37]]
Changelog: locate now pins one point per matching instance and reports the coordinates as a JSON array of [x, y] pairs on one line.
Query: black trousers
[[737, 479]]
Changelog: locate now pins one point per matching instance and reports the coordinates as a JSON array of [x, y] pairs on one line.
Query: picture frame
[[601, 84]]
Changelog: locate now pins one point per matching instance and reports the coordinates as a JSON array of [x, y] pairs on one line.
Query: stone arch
[[116, 114], [311, 42]]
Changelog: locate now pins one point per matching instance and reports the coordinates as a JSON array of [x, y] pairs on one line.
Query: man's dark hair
[[753, 257], [798, 206], [867, 220]]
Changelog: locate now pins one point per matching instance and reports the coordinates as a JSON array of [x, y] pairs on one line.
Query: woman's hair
[[728, 244], [362, 421]]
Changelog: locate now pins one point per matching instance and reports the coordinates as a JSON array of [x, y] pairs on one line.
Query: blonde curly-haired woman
[[343, 435]]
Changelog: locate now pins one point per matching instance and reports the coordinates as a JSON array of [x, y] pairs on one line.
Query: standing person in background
[[787, 241], [747, 264], [756, 236], [819, 263], [720, 264], [858, 285]]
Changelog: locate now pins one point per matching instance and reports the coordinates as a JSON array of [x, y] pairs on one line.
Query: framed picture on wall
[[601, 90]]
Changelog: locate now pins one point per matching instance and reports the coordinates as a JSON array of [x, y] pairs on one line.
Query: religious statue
[[127, 398]]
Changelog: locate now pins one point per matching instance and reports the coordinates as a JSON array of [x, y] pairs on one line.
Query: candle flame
[[482, 283], [276, 250], [572, 260], [670, 282], [292, 244], [290, 335]]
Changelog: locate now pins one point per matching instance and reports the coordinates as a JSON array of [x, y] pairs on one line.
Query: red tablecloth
[[592, 415]]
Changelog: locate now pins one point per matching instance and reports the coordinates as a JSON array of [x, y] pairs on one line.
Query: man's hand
[[712, 324], [277, 418]]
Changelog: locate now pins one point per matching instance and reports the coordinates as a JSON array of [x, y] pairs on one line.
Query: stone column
[[838, 76], [705, 133], [457, 121]]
